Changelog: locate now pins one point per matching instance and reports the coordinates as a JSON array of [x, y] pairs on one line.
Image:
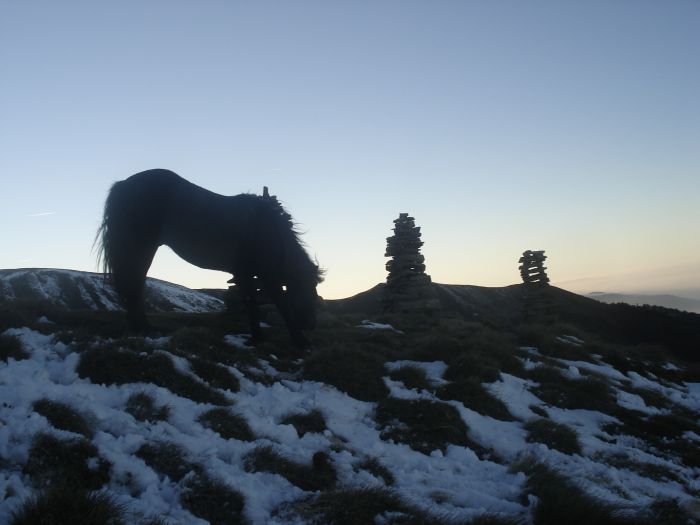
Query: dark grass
[[423, 425], [472, 394], [319, 475], [484, 355], [209, 345], [108, 365], [63, 416], [11, 348], [66, 505], [309, 422], [144, 408], [653, 471], [663, 432], [215, 375], [167, 459], [555, 435], [561, 501], [539, 411], [412, 377], [351, 369], [358, 506], [377, 469], [227, 424], [589, 393], [54, 461], [213, 501]]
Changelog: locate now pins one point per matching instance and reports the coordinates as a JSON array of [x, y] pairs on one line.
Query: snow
[[52, 285], [464, 485], [377, 326]]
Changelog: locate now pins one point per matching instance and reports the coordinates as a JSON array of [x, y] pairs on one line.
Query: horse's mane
[[284, 221]]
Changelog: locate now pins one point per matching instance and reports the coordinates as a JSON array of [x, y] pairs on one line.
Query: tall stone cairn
[[408, 287], [532, 269]]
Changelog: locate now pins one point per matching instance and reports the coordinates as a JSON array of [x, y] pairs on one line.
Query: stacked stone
[[408, 286], [532, 269]]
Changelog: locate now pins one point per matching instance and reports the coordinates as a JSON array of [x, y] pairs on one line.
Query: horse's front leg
[[281, 301], [249, 293]]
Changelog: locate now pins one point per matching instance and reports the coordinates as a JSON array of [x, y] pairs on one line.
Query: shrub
[[63, 416], [227, 424], [554, 435]]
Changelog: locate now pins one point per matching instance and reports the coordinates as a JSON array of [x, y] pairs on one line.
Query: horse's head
[[303, 299]]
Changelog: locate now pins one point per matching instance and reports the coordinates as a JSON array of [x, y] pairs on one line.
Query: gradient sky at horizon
[[572, 127]]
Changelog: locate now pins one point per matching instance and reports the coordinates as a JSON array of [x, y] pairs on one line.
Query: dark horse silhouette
[[249, 236]]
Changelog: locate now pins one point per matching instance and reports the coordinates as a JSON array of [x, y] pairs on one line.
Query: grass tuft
[[356, 372], [358, 506], [555, 435], [377, 469], [216, 375], [63, 416], [472, 394], [227, 424], [318, 476], [561, 501], [75, 463], [11, 348], [412, 377], [143, 407], [311, 422], [108, 365], [213, 501], [422, 424], [63, 505], [167, 459]]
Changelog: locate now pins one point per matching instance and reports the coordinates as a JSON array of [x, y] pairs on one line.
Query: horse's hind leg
[[130, 280]]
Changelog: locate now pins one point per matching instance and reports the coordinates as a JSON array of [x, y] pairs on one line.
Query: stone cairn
[[538, 304], [532, 268], [408, 287]]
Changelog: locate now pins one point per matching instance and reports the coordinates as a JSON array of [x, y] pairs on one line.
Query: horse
[[249, 236]]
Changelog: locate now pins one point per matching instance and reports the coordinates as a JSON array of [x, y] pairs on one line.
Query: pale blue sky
[[572, 127]]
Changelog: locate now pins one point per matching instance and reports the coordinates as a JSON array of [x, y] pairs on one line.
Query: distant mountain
[[87, 290], [665, 300]]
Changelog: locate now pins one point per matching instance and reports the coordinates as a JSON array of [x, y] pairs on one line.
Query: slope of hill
[[665, 300], [402, 420], [86, 290]]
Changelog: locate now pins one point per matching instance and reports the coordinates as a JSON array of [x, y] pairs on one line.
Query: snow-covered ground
[[455, 482], [88, 290]]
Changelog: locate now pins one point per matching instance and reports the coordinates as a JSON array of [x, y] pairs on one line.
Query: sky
[[570, 127]]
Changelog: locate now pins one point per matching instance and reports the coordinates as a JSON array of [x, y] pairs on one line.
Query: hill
[[86, 290], [665, 300], [476, 414]]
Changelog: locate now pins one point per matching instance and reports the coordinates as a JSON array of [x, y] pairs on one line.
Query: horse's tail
[[105, 240]]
